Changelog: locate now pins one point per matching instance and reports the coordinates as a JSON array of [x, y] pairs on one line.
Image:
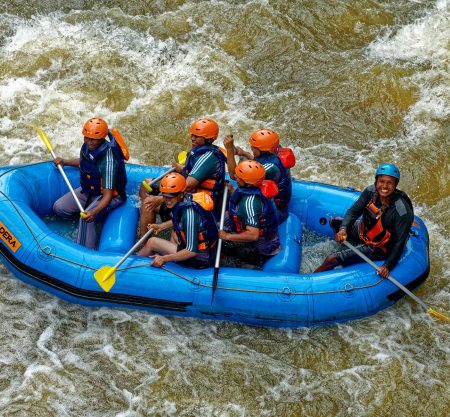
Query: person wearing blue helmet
[[381, 234]]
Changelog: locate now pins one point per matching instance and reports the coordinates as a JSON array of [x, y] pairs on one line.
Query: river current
[[347, 85]]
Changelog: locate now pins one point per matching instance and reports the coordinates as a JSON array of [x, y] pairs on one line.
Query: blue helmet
[[388, 169]]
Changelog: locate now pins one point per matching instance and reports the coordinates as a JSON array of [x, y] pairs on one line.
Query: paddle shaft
[[222, 219], [219, 243], [181, 160], [137, 244], [49, 146], [61, 170], [160, 177], [390, 277]]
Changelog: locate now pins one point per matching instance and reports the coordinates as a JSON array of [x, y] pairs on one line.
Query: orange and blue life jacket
[[208, 233], [213, 185], [372, 230], [285, 182], [90, 177], [268, 220]]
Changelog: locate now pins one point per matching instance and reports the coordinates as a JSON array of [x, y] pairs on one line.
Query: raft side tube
[[290, 257], [315, 207], [119, 228]]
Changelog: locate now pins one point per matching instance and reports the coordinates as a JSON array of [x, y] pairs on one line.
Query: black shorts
[[246, 252], [200, 261], [346, 256], [194, 263]]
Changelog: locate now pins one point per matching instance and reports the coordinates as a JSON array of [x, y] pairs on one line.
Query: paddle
[[106, 275], [219, 243], [47, 143], [398, 284], [181, 160]]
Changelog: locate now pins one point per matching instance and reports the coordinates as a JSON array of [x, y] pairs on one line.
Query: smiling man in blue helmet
[[387, 215]]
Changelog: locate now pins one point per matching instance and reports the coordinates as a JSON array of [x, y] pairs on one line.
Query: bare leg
[[329, 263], [150, 205], [174, 238], [157, 245]]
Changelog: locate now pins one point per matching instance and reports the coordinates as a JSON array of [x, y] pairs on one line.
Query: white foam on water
[[136, 363], [423, 41], [424, 45], [162, 68], [422, 48], [46, 336]]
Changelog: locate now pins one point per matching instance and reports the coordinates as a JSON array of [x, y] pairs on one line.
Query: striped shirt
[[205, 167], [108, 170], [250, 210], [190, 225], [272, 172]]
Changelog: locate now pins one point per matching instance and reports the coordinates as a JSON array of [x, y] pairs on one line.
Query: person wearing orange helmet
[[204, 171], [264, 144], [251, 228], [195, 233], [102, 178]]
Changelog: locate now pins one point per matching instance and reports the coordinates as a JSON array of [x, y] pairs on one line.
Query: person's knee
[[150, 243], [146, 249], [151, 204], [331, 258], [335, 223], [143, 193], [330, 262], [57, 208], [60, 210]]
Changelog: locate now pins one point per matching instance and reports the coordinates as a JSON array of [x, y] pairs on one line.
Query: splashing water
[[347, 86]]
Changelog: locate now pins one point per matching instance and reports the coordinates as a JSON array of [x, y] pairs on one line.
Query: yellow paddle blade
[[44, 138], [106, 277], [438, 315], [182, 156], [147, 186]]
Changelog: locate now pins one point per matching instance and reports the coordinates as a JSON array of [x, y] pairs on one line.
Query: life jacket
[[90, 178], [208, 234], [213, 185], [284, 184], [286, 156], [268, 221], [372, 231]]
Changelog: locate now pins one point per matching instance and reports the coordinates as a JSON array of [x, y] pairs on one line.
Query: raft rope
[[286, 291]]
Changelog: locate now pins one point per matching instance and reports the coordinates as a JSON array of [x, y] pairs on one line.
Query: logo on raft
[[9, 238]]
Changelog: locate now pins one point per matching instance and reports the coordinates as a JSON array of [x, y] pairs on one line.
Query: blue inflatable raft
[[39, 252]]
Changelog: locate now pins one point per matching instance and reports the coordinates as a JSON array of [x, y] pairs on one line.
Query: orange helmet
[[95, 128], [206, 128], [265, 140], [251, 172], [172, 183]]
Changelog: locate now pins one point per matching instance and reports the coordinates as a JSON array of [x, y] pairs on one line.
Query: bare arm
[[68, 162], [159, 227], [231, 163], [182, 255], [245, 154], [104, 202], [250, 234], [191, 184]]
